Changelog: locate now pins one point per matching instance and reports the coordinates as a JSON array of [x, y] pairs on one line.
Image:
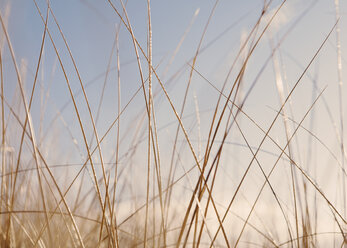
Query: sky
[[90, 29]]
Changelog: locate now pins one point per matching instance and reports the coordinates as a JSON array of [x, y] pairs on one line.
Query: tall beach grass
[[173, 123]]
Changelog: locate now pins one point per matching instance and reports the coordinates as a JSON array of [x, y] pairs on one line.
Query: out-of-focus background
[[79, 78]]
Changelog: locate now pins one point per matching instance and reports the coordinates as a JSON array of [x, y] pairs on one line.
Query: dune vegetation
[[173, 123]]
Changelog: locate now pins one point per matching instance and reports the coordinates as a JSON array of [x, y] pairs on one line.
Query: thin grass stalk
[[179, 44], [114, 215], [274, 120], [308, 178], [186, 94], [3, 147], [152, 133], [157, 175], [296, 138], [95, 148], [167, 197], [148, 108], [105, 80], [71, 94], [216, 163], [209, 143], [189, 143], [151, 68], [38, 241], [89, 111], [60, 210], [280, 90], [340, 83], [236, 83], [196, 242], [159, 82], [103, 89], [150, 100], [27, 120], [219, 152], [269, 174], [4, 196], [293, 162], [104, 218], [330, 115], [149, 50], [206, 156]]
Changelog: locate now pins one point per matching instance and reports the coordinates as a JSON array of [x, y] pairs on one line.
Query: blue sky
[[89, 27]]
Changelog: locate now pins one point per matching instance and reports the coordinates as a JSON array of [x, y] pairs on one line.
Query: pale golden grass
[[175, 201]]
